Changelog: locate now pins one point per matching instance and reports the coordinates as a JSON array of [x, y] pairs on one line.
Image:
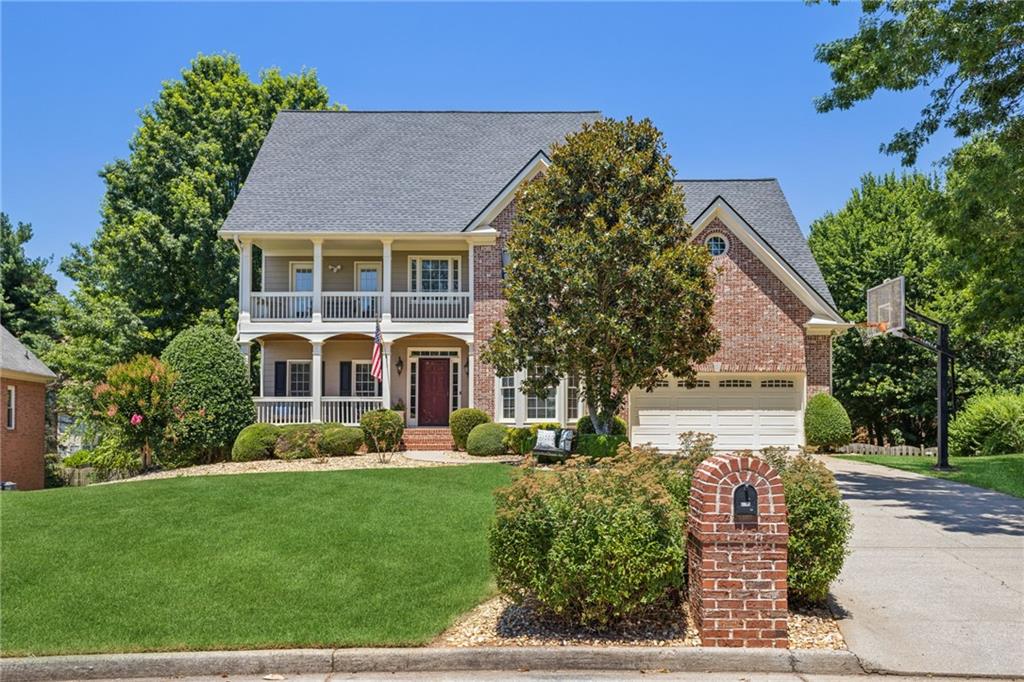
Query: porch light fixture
[[399, 365]]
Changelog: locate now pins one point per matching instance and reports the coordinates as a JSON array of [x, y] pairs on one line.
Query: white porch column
[[472, 296], [318, 279], [316, 376], [385, 388], [520, 376], [470, 362], [244, 280], [560, 393], [385, 310]]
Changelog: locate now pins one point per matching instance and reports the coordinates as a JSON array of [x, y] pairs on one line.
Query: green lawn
[[1004, 473], [344, 558]]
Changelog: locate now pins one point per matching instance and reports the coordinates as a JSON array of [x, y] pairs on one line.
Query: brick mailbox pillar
[[737, 553]]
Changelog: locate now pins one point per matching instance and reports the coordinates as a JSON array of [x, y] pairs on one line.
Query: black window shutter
[[346, 378], [280, 378], [380, 389]]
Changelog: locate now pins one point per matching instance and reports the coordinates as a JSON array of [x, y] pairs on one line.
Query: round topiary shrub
[[213, 387], [486, 440], [339, 440], [298, 441], [990, 424], [256, 441], [592, 545], [826, 424], [382, 430], [819, 528], [462, 422], [618, 426]]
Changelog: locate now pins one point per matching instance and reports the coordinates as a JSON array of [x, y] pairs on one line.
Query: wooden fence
[[905, 450]]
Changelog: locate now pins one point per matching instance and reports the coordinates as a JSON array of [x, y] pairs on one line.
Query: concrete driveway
[[935, 581]]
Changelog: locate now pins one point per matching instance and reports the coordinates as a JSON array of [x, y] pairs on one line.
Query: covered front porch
[[309, 380]]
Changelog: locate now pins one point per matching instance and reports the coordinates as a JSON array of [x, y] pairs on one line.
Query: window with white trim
[[365, 385], [434, 275], [11, 408], [300, 379], [777, 383], [699, 383], [507, 390], [540, 406], [717, 244], [734, 383], [572, 397], [302, 276]]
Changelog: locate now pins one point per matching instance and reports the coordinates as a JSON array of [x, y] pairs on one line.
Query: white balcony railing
[[284, 410], [347, 410], [351, 306], [420, 307], [282, 306]]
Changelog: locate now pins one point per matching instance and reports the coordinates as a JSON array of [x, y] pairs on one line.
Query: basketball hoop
[[886, 308]]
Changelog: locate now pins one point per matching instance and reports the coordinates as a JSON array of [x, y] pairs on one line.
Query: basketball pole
[[942, 393]]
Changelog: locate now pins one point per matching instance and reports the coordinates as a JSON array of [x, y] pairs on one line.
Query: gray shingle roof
[[14, 357], [763, 205], [398, 171]]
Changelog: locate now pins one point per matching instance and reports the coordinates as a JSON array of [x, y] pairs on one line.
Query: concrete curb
[[209, 663]]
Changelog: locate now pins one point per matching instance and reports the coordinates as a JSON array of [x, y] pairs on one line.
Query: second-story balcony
[[348, 306]]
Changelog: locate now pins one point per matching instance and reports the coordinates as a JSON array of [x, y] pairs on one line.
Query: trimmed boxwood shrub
[[462, 422], [519, 440], [256, 441], [990, 424], [597, 445], [618, 427], [298, 441], [486, 440], [77, 459], [339, 440], [382, 430], [826, 424], [593, 545], [213, 388]]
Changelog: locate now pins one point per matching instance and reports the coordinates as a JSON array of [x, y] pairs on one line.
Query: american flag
[[377, 362]]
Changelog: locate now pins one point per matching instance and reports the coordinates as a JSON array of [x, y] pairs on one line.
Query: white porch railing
[[284, 410], [347, 410], [350, 305], [415, 306], [281, 305]]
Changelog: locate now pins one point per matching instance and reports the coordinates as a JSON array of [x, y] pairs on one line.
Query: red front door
[[434, 391]]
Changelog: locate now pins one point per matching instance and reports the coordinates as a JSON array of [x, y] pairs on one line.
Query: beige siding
[[277, 270]]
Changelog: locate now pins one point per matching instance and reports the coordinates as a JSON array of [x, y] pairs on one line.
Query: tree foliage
[[971, 55], [157, 261], [602, 279], [24, 283]]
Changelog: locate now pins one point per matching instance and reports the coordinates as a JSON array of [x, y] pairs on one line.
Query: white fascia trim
[[720, 209], [339, 235], [539, 162], [818, 325]]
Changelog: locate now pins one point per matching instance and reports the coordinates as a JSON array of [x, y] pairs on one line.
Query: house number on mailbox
[[744, 503]]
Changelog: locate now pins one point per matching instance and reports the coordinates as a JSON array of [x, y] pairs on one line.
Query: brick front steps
[[428, 438]]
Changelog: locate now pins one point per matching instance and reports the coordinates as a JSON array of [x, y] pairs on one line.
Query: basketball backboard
[[886, 307]]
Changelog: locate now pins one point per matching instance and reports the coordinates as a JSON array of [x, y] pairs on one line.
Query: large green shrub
[[826, 424], [597, 445], [339, 440], [486, 440], [77, 459], [214, 387], [382, 430], [594, 545], [256, 441], [298, 441], [991, 424], [519, 440], [618, 426], [819, 528], [462, 422]]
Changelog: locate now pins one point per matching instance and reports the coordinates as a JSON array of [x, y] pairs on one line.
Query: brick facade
[[737, 570], [488, 306], [22, 448]]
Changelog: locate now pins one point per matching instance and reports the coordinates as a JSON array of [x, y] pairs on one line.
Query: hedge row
[[296, 441]]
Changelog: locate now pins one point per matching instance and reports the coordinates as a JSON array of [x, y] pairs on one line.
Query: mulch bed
[[500, 622]]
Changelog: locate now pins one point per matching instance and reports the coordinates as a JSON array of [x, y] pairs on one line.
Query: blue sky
[[731, 85]]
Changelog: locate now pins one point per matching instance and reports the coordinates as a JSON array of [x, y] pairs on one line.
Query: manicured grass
[[1004, 473], [345, 558]]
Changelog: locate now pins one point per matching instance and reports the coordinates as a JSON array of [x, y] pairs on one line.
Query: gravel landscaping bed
[[499, 622]]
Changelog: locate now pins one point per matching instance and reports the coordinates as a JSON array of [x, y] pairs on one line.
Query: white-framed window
[[734, 383], [367, 275], [365, 385], [434, 274], [777, 383], [9, 415], [573, 397], [300, 275], [699, 383], [300, 378], [717, 244], [507, 392], [540, 407]]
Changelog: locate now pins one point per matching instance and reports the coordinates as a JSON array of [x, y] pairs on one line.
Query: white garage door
[[742, 412]]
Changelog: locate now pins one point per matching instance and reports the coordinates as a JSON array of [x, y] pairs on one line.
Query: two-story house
[[400, 218]]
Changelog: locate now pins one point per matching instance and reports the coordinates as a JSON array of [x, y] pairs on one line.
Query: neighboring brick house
[[23, 380], [401, 218]]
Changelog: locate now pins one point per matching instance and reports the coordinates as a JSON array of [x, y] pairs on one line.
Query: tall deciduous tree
[[24, 283], [157, 253], [603, 280]]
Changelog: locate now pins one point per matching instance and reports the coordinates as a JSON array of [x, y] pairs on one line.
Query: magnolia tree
[[603, 281]]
